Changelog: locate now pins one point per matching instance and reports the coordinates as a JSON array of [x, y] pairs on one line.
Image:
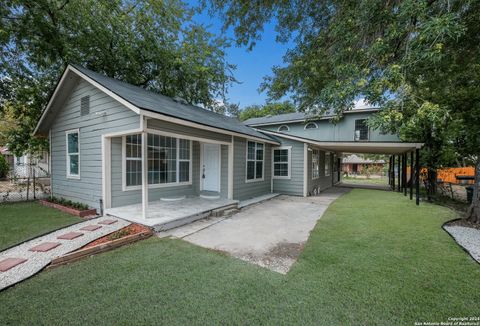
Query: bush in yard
[[4, 167]]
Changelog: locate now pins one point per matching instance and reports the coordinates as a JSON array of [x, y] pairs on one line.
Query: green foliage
[[257, 111], [4, 166], [417, 59], [68, 203], [152, 44]]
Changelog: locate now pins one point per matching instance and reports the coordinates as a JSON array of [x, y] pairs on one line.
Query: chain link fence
[[25, 182]]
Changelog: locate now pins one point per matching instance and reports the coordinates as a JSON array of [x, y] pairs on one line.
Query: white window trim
[[68, 174], [354, 130], [278, 129], [289, 176], [158, 185], [310, 123], [246, 162], [313, 152]]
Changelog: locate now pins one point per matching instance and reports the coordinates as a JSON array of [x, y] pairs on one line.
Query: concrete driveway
[[270, 234]]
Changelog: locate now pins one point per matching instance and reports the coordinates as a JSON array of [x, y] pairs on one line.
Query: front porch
[[167, 214]]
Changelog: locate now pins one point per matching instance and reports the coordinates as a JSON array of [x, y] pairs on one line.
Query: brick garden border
[[102, 247], [69, 210]]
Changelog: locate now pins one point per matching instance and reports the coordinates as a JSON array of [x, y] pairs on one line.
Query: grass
[[373, 259], [370, 181], [21, 221]]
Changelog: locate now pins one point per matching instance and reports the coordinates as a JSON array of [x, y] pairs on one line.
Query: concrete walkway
[[28, 258], [271, 234]]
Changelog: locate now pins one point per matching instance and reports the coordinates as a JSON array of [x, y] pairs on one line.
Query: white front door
[[211, 167]]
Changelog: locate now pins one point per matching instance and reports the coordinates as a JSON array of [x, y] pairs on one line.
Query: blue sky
[[253, 65]]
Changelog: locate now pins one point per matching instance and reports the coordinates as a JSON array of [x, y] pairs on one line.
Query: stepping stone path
[[30, 257], [46, 246], [91, 227], [70, 236], [8, 263], [107, 222]]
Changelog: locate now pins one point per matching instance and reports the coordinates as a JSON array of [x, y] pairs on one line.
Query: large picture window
[[255, 158], [169, 160], [361, 130], [281, 163], [315, 164], [73, 154]]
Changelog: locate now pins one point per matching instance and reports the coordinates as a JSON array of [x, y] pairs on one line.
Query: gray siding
[[106, 116], [244, 190], [294, 185], [326, 131], [323, 182], [184, 130], [128, 197]]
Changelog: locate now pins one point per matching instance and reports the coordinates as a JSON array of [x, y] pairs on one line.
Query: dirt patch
[[286, 250], [126, 231], [464, 223]]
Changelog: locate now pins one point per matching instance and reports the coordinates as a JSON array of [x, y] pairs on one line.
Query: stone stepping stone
[[9, 263], [107, 222], [91, 227], [46, 246], [70, 235]]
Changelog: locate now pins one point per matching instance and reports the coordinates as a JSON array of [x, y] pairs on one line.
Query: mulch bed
[[126, 231], [464, 223]]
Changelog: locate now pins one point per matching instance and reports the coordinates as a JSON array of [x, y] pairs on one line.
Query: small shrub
[[4, 166], [119, 234], [66, 202]]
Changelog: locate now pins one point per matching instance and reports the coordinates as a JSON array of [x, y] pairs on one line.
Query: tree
[[152, 44], [417, 59], [257, 111]]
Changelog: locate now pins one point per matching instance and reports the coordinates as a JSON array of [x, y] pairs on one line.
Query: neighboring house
[[107, 137], [27, 165], [353, 164]]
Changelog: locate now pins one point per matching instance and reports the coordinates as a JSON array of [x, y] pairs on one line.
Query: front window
[[255, 160], [327, 164], [169, 160], [315, 164], [73, 154], [361, 130], [281, 163], [283, 128], [311, 125]]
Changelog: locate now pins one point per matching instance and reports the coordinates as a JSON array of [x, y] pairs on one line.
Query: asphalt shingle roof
[[154, 102]]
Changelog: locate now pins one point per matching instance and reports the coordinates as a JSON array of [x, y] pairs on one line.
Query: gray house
[[146, 157]]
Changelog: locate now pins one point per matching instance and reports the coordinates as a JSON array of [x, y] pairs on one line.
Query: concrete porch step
[[192, 218]]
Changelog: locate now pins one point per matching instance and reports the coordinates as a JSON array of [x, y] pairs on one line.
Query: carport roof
[[370, 147]]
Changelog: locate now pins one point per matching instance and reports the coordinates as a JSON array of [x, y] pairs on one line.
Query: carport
[[401, 153]]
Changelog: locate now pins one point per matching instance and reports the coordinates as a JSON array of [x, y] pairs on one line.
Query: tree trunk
[[473, 213], [432, 183]]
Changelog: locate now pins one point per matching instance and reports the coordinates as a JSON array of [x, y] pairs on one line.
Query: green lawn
[[374, 258], [370, 181], [21, 221]]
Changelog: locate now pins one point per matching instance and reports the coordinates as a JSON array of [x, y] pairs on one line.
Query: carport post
[[399, 169], [390, 171], [411, 175], [417, 176], [393, 172], [405, 174]]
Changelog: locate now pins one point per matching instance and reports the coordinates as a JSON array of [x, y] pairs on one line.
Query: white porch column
[[106, 172], [230, 170], [144, 175]]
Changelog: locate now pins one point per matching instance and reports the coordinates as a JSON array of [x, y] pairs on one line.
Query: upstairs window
[[281, 163], [361, 130], [311, 125], [315, 164], [283, 128], [73, 154], [255, 159]]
